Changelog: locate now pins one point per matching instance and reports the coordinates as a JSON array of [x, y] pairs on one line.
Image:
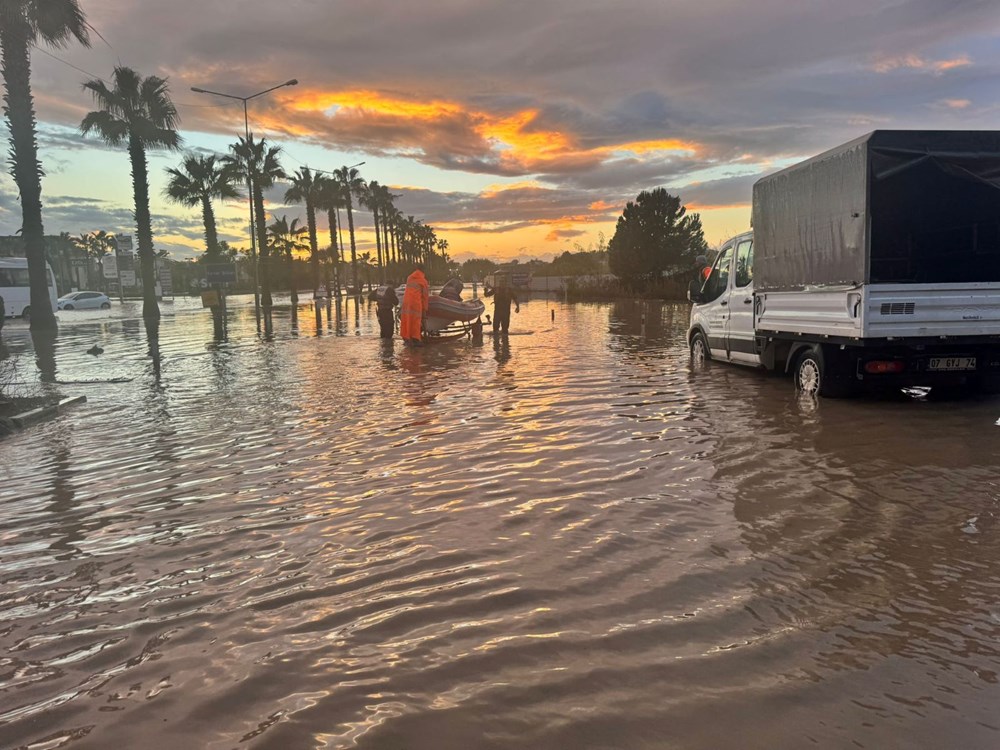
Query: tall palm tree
[[371, 198], [199, 180], [351, 185], [259, 161], [287, 239], [330, 200], [307, 188], [137, 113], [23, 23]]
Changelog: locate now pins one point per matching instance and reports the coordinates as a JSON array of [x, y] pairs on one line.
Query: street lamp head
[[293, 82], [197, 90]]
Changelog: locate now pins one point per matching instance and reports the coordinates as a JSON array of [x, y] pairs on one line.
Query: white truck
[[873, 265]]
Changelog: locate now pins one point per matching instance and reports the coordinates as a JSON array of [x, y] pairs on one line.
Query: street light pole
[[246, 132]]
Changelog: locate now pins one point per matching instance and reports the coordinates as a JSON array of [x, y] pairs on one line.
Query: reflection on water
[[563, 539]]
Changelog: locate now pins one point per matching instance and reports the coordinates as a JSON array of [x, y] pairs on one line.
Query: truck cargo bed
[[882, 311]]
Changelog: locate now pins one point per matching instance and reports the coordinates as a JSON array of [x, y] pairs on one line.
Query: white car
[[84, 301]]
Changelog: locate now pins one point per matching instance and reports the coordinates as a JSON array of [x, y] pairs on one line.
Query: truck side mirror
[[694, 293]]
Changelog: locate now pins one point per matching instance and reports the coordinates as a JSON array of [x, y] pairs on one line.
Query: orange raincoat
[[414, 305]]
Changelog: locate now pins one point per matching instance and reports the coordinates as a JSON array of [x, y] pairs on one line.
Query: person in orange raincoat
[[411, 313]]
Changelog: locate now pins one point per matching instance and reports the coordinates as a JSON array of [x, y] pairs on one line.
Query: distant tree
[[654, 234], [200, 180], [137, 113], [287, 240], [367, 263], [477, 268], [23, 23]]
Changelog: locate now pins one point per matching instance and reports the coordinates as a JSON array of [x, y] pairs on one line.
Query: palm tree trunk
[[211, 234], [354, 252], [331, 217], [264, 252], [16, 62], [144, 228], [378, 245], [313, 245]]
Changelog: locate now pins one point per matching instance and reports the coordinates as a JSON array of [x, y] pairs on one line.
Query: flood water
[[565, 540]]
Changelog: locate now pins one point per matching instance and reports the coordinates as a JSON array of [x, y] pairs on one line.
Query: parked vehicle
[[84, 301], [15, 289], [875, 264]]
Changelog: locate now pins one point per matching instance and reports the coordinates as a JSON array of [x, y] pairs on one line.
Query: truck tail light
[[883, 367]]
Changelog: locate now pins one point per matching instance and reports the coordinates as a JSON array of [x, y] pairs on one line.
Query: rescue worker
[[385, 310], [415, 301], [503, 295]]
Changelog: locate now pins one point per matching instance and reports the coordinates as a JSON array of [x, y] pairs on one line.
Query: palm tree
[[330, 200], [287, 239], [137, 113], [367, 263], [23, 23], [351, 185], [308, 188], [371, 198], [197, 182], [259, 162]]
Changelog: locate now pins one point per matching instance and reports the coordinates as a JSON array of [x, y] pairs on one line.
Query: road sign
[[113, 287], [210, 298], [220, 273], [124, 242], [166, 281], [126, 262], [110, 265], [128, 278]]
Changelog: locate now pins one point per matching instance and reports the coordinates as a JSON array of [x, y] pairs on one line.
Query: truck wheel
[[26, 315], [700, 353], [809, 375], [813, 376]]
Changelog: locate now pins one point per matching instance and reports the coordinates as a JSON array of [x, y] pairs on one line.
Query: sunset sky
[[515, 128]]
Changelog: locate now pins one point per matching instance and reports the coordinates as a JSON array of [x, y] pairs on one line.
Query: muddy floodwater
[[564, 540]]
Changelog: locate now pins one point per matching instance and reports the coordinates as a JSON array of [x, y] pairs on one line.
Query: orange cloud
[[915, 62], [448, 133], [956, 103]]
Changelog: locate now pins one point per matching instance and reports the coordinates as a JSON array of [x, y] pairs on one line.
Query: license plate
[[952, 363]]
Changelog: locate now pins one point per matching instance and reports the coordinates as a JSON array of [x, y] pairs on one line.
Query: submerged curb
[[42, 414]]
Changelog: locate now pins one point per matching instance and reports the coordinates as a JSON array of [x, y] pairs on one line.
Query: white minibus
[[15, 289]]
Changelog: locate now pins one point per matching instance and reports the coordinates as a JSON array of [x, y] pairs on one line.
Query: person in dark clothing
[[503, 295], [386, 312], [453, 289]]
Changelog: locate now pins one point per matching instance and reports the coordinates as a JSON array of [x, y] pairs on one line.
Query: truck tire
[[700, 353], [813, 377], [26, 315]]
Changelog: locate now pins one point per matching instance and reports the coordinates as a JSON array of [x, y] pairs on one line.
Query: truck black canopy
[[894, 206]]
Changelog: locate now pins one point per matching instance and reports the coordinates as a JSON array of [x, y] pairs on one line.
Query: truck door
[[716, 305], [740, 335]]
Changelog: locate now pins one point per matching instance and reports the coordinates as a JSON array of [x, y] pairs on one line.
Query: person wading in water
[[414, 306], [503, 295], [385, 309]]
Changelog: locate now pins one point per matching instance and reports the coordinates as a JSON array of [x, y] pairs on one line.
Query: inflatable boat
[[444, 312]]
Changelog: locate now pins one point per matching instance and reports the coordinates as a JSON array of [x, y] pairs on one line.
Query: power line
[[65, 62]]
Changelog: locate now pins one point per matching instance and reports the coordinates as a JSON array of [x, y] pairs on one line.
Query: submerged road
[[568, 540]]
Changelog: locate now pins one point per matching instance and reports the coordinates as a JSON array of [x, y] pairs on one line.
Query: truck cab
[[722, 316]]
